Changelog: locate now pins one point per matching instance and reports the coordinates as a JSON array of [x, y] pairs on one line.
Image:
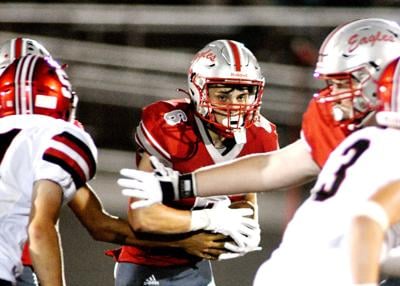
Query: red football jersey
[[171, 131], [320, 133]]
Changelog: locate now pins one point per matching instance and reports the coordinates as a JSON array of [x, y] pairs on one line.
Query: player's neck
[[217, 140]]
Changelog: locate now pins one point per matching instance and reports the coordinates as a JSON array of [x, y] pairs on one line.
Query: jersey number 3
[[358, 148]]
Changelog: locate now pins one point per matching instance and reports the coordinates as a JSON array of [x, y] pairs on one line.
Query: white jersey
[[35, 147], [314, 250]]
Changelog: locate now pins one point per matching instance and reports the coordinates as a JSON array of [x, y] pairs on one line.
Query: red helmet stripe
[[18, 48], [396, 87], [236, 55]]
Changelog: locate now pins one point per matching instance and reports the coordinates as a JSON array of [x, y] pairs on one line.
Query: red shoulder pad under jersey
[[262, 137], [167, 129], [321, 135]]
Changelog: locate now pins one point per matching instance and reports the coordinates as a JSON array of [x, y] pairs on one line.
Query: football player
[[45, 159], [313, 250], [376, 221], [219, 121], [84, 204], [350, 60]]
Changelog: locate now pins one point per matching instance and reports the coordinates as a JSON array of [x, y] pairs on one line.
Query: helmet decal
[[356, 40]]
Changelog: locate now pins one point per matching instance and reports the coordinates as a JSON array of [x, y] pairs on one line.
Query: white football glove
[[230, 222], [141, 185], [163, 185], [231, 255], [251, 241]]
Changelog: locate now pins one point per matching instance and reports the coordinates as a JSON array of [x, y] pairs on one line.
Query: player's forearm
[[284, 168], [45, 254], [160, 219], [117, 230], [238, 176], [366, 242]]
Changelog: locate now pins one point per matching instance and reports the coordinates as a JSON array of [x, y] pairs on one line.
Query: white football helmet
[[351, 60], [225, 62], [19, 47]]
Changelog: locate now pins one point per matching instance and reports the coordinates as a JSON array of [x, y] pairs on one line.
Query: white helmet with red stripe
[[351, 60], [225, 62], [36, 85], [18, 47]]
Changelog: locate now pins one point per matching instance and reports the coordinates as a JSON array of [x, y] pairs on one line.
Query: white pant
[[12, 238], [326, 267]]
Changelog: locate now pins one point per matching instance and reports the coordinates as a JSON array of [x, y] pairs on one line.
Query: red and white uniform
[[314, 249], [171, 131], [35, 147], [319, 133]]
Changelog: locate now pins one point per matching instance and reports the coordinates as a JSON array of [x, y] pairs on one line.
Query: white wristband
[[200, 220], [375, 212], [365, 284]]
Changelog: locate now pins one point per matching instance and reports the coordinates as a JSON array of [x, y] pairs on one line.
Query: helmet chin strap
[[364, 122]]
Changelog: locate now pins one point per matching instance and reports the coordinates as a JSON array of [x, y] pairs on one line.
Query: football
[[243, 204]]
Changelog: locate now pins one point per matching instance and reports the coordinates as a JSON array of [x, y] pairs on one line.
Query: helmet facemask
[[348, 98], [229, 107]]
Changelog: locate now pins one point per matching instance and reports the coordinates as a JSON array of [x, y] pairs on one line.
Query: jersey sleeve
[[319, 133], [69, 158]]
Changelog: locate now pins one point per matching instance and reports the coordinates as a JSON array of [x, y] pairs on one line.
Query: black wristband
[[168, 192], [186, 186]]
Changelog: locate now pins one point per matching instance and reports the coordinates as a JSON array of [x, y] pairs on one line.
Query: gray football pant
[[129, 274]]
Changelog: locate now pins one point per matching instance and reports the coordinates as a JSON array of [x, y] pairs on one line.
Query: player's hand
[[231, 255], [205, 245], [251, 241], [140, 185], [163, 185], [230, 222]]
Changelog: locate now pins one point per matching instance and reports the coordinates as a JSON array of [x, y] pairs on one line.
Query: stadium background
[[123, 55]]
